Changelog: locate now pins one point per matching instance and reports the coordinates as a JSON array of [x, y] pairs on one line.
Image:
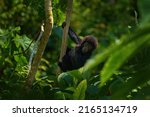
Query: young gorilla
[[76, 57]]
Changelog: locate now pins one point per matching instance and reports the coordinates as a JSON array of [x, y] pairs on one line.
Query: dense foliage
[[118, 69]]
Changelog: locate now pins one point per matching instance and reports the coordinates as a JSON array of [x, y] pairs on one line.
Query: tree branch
[[65, 30]]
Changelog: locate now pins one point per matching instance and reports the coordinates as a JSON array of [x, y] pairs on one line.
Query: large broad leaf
[[79, 93], [120, 56], [65, 80]]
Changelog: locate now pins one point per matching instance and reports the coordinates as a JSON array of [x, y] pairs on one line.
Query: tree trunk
[[47, 32]]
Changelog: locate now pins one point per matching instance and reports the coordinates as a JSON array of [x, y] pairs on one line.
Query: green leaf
[[22, 41], [120, 57], [65, 80], [59, 95], [21, 60], [79, 93]]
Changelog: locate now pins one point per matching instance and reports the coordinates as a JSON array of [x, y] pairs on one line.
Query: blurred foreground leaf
[[120, 56]]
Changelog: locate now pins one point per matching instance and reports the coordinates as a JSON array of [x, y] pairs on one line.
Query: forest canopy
[[119, 68]]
